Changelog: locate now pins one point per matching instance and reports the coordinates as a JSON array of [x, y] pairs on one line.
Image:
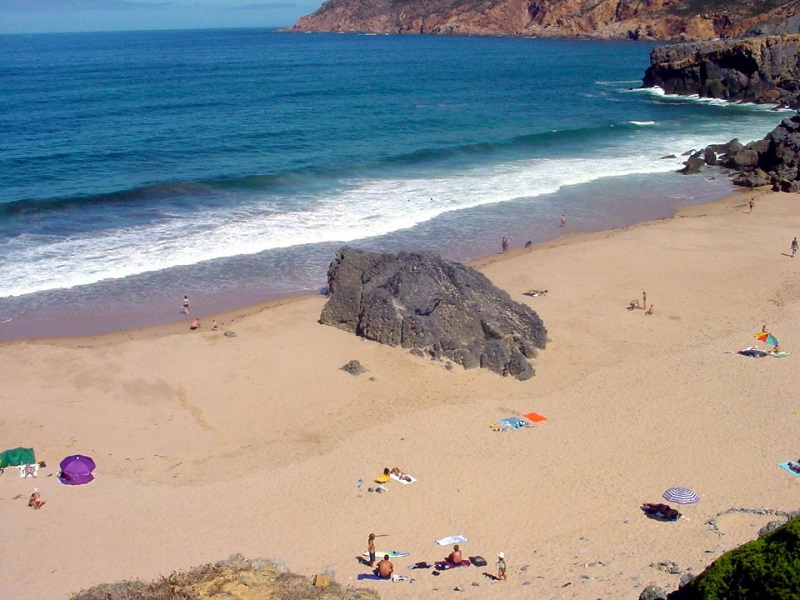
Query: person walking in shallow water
[[563, 220], [504, 245], [186, 305], [794, 247]]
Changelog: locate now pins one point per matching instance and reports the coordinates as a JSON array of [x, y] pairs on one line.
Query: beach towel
[[391, 553], [779, 354], [382, 479], [443, 565], [400, 478], [785, 465], [535, 417], [751, 352], [453, 539], [28, 470], [371, 577], [514, 423]]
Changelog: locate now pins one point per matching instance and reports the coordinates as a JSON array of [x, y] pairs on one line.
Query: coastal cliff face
[[602, 19], [761, 70]]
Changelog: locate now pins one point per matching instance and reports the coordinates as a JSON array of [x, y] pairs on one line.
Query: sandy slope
[[208, 445]]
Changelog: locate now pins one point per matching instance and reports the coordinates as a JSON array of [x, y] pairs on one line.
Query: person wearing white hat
[[501, 566]]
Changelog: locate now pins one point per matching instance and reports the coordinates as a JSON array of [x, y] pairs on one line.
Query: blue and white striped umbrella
[[680, 495]]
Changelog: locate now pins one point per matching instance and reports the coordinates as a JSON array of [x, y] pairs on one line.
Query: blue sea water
[[229, 165]]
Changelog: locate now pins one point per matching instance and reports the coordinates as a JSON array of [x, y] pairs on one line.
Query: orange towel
[[535, 417]]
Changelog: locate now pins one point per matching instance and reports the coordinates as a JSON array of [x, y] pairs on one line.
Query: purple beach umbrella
[[76, 470], [680, 495]]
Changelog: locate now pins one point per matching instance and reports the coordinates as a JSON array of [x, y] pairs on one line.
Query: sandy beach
[[208, 445]]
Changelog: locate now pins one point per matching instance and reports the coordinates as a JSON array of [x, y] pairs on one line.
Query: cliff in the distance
[[603, 19]]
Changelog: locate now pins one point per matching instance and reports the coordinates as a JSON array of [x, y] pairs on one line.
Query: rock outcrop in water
[[773, 161], [761, 70], [443, 309], [603, 19]]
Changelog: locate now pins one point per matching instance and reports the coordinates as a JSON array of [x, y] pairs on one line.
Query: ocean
[[230, 165]]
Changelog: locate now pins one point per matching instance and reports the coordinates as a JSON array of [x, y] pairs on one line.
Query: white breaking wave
[[361, 208], [642, 123]]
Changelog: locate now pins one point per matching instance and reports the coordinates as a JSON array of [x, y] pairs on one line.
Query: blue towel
[[785, 465], [514, 423], [370, 576]]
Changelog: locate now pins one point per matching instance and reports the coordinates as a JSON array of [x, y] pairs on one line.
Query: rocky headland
[[677, 20], [763, 70]]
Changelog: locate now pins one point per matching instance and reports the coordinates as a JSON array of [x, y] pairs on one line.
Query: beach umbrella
[[767, 338], [680, 495], [76, 470]]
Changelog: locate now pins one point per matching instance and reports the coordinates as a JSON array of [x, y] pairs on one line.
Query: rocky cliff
[[604, 19], [762, 70]]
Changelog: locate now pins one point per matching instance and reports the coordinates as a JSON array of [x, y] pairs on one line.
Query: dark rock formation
[[353, 367], [761, 70], [653, 592], [445, 309], [773, 161], [606, 19]]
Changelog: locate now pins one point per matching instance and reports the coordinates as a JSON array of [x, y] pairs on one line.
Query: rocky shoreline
[[762, 70]]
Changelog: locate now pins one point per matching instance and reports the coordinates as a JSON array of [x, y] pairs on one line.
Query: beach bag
[[477, 561]]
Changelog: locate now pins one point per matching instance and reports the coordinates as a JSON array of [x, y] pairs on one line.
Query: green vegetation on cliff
[[766, 568]]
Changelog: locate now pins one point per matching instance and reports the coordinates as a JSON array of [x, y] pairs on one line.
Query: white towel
[[28, 470]]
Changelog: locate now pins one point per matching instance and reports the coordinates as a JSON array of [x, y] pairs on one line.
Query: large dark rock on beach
[[444, 309]]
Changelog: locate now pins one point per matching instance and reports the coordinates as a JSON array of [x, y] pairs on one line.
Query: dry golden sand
[[208, 445]]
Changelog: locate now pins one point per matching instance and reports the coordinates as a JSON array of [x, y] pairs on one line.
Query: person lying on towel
[[662, 511], [400, 475]]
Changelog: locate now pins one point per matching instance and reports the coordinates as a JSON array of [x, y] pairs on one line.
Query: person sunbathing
[[35, 501], [634, 304], [794, 466], [660, 510], [455, 556], [400, 475]]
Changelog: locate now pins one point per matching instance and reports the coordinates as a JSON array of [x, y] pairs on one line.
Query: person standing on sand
[[751, 204], [371, 549], [644, 299], [501, 566], [794, 247], [186, 305]]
